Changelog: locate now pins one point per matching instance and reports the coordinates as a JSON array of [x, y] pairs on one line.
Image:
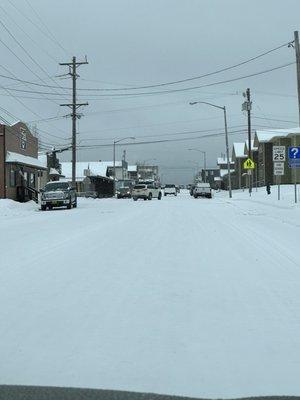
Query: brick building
[[19, 163]]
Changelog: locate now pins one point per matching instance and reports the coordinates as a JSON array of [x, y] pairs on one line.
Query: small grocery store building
[[19, 163]]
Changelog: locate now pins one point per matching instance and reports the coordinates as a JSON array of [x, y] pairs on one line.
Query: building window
[[26, 177], [12, 177], [32, 180]]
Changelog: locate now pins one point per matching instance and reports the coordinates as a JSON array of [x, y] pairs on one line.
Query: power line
[[173, 90], [46, 27], [273, 119], [186, 79], [201, 86], [45, 33], [27, 35], [135, 143], [199, 76], [28, 55]]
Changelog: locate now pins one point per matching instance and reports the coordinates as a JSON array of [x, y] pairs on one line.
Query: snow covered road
[[179, 296]]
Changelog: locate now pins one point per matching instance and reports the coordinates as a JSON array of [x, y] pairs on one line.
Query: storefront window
[[12, 177], [32, 180]]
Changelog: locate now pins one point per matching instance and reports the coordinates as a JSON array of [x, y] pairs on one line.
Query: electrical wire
[[28, 55], [39, 28]]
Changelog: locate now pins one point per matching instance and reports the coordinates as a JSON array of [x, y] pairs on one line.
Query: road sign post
[[279, 157], [294, 162], [249, 165]]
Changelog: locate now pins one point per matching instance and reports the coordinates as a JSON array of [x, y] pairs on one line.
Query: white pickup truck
[[202, 190], [146, 191]]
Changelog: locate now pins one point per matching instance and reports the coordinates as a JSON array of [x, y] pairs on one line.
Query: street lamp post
[[114, 157], [226, 138], [204, 155]]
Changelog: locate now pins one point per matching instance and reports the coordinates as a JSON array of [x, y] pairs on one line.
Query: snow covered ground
[[179, 296]]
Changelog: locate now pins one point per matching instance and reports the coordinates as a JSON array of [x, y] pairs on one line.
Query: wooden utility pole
[[248, 96], [247, 105], [297, 52], [74, 106]]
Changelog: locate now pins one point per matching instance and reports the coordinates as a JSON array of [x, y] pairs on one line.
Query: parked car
[[124, 192], [146, 191], [170, 189], [58, 194], [202, 190]]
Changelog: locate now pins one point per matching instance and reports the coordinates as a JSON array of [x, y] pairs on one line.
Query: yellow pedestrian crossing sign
[[249, 164]]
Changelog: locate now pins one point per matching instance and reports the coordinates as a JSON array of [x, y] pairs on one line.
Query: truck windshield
[[56, 186]]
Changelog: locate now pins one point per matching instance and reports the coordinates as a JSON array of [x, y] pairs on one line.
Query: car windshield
[[111, 278], [56, 186]]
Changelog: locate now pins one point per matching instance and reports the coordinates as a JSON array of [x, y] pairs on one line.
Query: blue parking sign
[[294, 156]]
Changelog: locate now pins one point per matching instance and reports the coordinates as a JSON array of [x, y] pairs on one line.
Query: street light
[[192, 103], [204, 154], [196, 168], [114, 156]]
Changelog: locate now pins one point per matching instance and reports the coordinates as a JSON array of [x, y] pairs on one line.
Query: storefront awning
[[16, 158]]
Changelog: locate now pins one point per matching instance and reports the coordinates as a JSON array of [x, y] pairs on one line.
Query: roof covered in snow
[[16, 158], [253, 148], [267, 135], [224, 172], [223, 160], [239, 150], [88, 168], [132, 168], [54, 171]]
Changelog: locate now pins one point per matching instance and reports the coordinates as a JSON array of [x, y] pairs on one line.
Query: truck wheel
[[145, 198], [165, 194], [159, 196], [69, 205], [195, 196], [150, 196]]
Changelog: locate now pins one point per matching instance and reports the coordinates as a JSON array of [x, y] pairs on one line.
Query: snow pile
[[13, 208]]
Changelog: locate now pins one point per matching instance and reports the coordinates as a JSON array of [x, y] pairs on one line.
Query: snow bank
[[13, 208]]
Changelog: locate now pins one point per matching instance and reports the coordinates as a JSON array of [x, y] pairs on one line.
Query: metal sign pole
[[295, 173]]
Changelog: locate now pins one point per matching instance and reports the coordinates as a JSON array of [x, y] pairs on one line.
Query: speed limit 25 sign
[[279, 153]]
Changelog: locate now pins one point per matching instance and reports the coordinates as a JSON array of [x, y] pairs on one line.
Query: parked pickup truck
[[202, 190], [58, 194], [146, 191]]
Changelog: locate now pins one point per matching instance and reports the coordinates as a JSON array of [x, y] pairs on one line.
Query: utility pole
[[297, 52], [247, 105], [74, 107], [227, 153]]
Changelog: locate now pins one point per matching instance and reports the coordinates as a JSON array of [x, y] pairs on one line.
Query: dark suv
[[58, 194]]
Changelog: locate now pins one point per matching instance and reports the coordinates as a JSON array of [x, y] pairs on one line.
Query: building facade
[[19, 163]]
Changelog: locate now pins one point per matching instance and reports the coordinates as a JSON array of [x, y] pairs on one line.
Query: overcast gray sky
[[144, 42]]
